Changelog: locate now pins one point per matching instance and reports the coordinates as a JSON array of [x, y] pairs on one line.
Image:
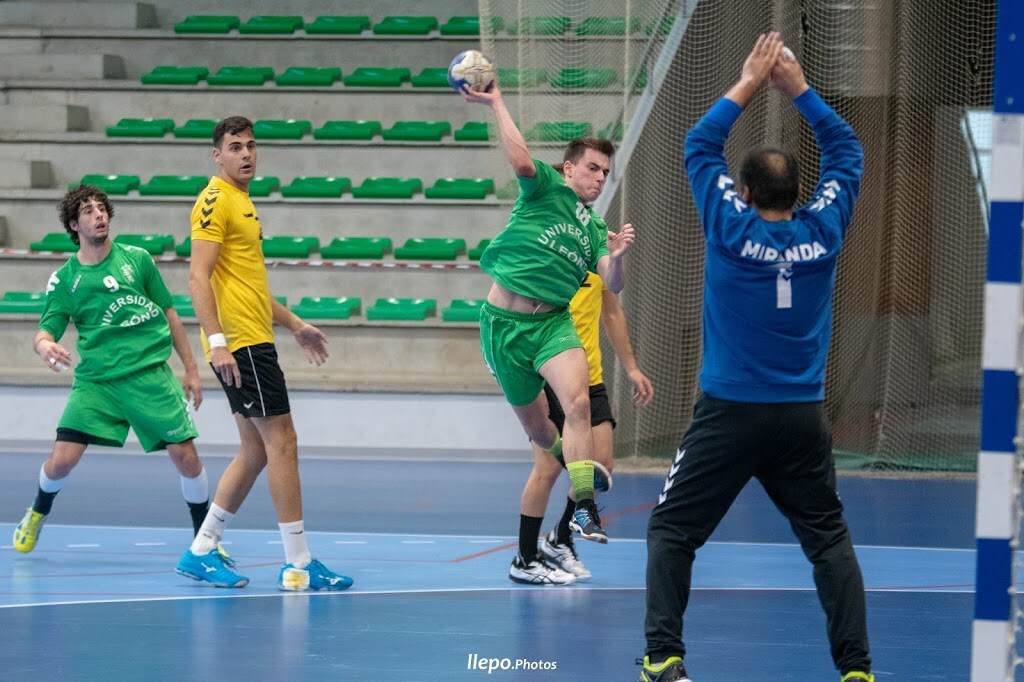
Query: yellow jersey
[[225, 214], [585, 308]]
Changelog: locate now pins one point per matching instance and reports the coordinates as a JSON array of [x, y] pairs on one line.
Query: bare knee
[[185, 458], [577, 406]]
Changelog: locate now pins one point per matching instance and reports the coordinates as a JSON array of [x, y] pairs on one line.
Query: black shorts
[[263, 392], [600, 408]]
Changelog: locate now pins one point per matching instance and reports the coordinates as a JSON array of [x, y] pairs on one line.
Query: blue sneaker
[[209, 568], [587, 523], [602, 478], [315, 576]]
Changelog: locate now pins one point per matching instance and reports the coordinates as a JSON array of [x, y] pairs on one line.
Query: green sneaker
[[855, 675], [669, 670], [27, 532]]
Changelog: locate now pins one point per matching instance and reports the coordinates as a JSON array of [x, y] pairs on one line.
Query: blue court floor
[[429, 544]]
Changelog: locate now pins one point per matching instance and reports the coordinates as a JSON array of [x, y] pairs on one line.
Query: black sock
[[44, 502], [529, 530], [562, 532], [198, 511]]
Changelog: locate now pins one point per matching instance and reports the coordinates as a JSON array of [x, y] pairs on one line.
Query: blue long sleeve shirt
[[768, 285]]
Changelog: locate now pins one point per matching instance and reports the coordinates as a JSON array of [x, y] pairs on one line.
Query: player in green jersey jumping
[[126, 326], [538, 262]]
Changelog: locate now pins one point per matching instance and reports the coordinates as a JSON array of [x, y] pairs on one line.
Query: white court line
[[150, 544], [350, 542], [84, 544], [418, 542]]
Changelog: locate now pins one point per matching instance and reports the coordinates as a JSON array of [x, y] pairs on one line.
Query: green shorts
[[151, 402], [515, 345]]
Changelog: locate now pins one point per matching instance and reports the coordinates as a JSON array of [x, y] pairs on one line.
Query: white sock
[[47, 484], [296, 551], [196, 490], [209, 533]]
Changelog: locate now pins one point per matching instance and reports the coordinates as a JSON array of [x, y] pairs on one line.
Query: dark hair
[[578, 147], [232, 125], [772, 176], [71, 205]]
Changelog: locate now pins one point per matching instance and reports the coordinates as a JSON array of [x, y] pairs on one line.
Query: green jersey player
[[126, 327], [538, 262]]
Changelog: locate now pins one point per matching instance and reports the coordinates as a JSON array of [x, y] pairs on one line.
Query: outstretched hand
[[762, 58], [481, 97], [619, 242]]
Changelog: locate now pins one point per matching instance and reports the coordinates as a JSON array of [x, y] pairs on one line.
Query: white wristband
[[217, 341]]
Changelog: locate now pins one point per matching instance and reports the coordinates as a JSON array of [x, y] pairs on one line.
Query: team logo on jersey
[[51, 284], [128, 273]]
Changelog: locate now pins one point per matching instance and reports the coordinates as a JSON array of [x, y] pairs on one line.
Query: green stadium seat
[[141, 127], [174, 185], [402, 309], [175, 75], [207, 23], [460, 188], [431, 248], [345, 248], [463, 310], [406, 26], [664, 27], [521, 78], [424, 131], [478, 250], [111, 184], [280, 129], [574, 79], [241, 75], [289, 247], [327, 307], [182, 304], [472, 131], [55, 241], [431, 77], [195, 128], [607, 26], [153, 244], [309, 76], [23, 302], [376, 77], [339, 25], [558, 131], [508, 192], [347, 130], [541, 26], [316, 187], [388, 188], [265, 24], [612, 131], [184, 249], [263, 185], [461, 26]]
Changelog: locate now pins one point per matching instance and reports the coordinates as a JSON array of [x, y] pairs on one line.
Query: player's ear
[[745, 194]]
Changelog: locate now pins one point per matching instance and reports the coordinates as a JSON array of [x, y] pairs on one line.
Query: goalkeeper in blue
[[769, 277]]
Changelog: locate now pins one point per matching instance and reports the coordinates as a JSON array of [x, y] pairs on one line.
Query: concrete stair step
[[110, 15], [43, 117], [61, 66]]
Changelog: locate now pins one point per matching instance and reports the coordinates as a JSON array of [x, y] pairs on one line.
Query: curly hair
[[71, 205]]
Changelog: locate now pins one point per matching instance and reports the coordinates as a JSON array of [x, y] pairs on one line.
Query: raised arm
[[511, 139]]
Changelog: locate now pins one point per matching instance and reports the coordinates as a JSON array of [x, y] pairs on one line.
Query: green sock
[[556, 450], [582, 475]]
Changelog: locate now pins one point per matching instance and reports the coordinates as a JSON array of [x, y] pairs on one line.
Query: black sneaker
[[587, 523], [538, 572], [669, 670]]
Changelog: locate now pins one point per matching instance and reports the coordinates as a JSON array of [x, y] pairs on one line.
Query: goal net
[[904, 369]]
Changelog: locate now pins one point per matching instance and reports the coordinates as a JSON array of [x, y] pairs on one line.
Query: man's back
[[768, 284]]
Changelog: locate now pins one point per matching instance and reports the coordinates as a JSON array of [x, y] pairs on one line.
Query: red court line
[[606, 519]]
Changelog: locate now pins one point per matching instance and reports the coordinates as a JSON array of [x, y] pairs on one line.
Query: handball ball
[[473, 69]]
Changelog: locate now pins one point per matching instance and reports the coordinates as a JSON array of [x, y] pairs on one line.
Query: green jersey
[[118, 308], [550, 243]]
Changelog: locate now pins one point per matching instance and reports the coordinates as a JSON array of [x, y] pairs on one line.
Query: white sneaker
[[538, 572], [563, 556]]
